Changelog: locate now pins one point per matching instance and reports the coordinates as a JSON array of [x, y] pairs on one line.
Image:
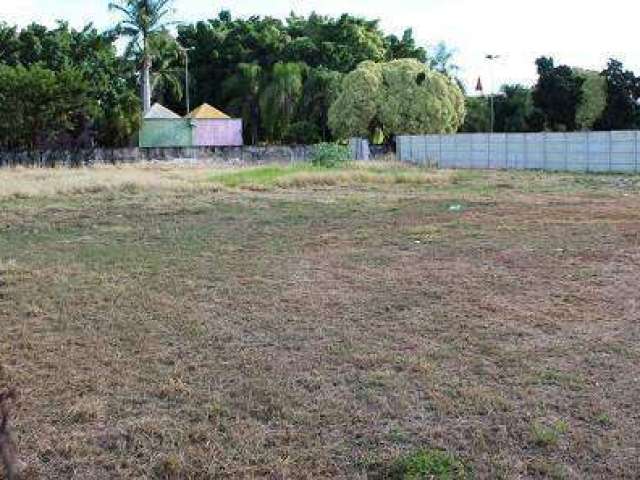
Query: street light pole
[[491, 59], [186, 74]]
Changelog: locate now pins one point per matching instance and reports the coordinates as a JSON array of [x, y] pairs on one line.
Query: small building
[[163, 128], [215, 128], [205, 126]]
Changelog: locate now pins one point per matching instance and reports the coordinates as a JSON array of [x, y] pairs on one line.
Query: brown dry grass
[[185, 333]]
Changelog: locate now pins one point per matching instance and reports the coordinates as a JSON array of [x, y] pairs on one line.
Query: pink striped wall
[[217, 132]]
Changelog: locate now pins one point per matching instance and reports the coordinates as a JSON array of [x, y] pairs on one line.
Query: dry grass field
[[379, 322]]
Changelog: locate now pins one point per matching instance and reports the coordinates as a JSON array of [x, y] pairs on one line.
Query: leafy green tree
[[320, 89], [110, 80], [557, 95], [513, 109], [243, 91], [355, 112], [623, 92], [400, 97], [340, 43], [325, 47], [57, 110], [279, 98], [477, 119], [141, 21], [594, 98], [404, 47], [166, 73]]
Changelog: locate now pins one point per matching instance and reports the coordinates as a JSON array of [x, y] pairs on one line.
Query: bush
[[330, 155], [303, 132]]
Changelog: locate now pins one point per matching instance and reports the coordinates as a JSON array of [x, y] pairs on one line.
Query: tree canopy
[[282, 76], [623, 92], [239, 64], [399, 97], [50, 71], [557, 95]]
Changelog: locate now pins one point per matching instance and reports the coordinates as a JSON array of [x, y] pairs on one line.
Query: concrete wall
[[577, 151], [246, 155]]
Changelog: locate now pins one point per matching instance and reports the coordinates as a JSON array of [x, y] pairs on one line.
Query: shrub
[[330, 155], [303, 132]]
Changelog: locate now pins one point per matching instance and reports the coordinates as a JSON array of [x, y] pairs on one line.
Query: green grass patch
[[548, 435], [426, 464], [259, 176]]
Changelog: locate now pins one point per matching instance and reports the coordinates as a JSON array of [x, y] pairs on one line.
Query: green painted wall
[[161, 132]]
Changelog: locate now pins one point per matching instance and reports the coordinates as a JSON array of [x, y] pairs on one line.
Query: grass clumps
[[427, 464], [548, 435]]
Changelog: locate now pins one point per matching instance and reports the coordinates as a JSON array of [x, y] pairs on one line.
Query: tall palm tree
[[141, 20], [166, 70]]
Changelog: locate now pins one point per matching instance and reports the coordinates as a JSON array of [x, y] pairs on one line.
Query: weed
[[427, 465], [548, 435]]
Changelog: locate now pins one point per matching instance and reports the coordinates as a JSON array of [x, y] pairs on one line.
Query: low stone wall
[[247, 155]]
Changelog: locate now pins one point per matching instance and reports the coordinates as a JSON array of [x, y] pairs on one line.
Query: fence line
[[615, 151]]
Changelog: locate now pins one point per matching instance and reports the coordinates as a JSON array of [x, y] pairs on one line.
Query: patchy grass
[[287, 322], [548, 435], [353, 174], [425, 464]]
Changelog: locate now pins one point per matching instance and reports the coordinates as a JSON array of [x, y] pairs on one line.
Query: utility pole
[[186, 74], [492, 58]]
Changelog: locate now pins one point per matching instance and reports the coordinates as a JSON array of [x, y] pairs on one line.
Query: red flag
[[479, 85]]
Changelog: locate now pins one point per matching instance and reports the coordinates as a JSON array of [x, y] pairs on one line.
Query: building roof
[[158, 111], [207, 111]]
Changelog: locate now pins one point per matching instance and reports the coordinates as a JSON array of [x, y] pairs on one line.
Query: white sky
[[581, 33]]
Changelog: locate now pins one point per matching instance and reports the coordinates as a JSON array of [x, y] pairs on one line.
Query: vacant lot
[[287, 323]]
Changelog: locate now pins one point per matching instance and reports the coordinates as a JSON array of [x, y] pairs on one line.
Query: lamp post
[[491, 58], [186, 73]]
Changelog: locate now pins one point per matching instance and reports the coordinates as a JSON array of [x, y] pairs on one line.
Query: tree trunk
[[146, 84]]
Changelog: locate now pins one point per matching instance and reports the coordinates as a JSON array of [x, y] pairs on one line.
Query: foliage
[[325, 48], [400, 97], [557, 95], [109, 81], [321, 88], [594, 98], [279, 97], [303, 132], [280, 76], [142, 22], [330, 155], [623, 92], [514, 109], [355, 110], [55, 113], [477, 119], [427, 464], [243, 90], [406, 47]]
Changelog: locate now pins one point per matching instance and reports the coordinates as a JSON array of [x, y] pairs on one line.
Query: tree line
[[564, 99], [61, 86]]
